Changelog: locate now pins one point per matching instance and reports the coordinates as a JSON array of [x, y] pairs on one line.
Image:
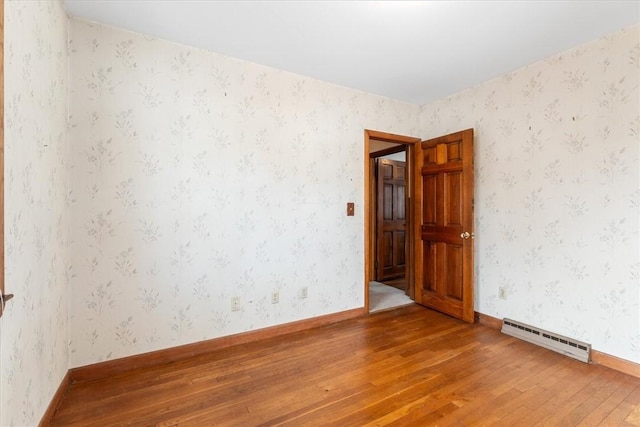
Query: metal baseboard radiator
[[567, 346]]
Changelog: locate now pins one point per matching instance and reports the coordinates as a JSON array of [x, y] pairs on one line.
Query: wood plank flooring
[[405, 367], [400, 283]]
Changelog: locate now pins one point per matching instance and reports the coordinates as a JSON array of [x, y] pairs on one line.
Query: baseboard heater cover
[[567, 346]]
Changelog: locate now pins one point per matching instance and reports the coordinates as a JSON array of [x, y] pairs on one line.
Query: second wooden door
[[391, 219]]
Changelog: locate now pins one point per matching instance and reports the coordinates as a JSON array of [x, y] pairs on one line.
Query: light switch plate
[[351, 209]]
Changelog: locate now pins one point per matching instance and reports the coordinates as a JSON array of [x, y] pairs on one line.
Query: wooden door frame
[[3, 297], [409, 142]]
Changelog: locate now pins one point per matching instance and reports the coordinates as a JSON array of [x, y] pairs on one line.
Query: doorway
[[440, 221], [388, 255]]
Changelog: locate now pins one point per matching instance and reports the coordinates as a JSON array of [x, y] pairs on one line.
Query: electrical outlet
[[502, 292], [275, 297], [235, 304], [303, 292]]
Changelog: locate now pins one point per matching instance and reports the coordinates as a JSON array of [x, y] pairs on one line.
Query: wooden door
[[444, 181], [391, 219]]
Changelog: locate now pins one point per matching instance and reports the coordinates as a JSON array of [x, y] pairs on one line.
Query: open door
[[444, 225], [391, 220]]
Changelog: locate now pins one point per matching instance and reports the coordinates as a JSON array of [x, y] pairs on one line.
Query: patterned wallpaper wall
[[557, 191], [34, 336], [198, 178]]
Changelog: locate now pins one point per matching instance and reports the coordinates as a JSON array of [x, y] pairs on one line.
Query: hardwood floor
[[404, 367], [400, 283]]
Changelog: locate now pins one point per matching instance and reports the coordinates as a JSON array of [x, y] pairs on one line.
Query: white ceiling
[[416, 51]]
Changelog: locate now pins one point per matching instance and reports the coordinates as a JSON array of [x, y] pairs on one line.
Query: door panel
[[399, 246], [387, 251], [454, 272], [453, 203], [430, 266], [430, 196], [401, 197], [388, 201], [391, 221], [444, 278]]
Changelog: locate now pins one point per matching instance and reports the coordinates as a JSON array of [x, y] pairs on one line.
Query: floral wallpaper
[[199, 178], [558, 191], [34, 328]]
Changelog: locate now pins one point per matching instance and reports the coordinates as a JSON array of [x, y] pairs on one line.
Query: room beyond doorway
[[398, 234]]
